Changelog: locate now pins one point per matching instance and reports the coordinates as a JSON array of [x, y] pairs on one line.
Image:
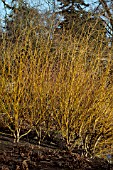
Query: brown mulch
[[31, 156]]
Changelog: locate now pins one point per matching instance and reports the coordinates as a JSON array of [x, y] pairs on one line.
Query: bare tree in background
[[108, 14], [104, 9]]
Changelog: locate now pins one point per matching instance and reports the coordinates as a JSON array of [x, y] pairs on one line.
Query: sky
[[35, 2], [43, 5]]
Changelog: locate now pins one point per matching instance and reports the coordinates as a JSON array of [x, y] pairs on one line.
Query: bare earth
[[28, 155]]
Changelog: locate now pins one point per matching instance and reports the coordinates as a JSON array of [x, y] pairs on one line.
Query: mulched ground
[[29, 155]]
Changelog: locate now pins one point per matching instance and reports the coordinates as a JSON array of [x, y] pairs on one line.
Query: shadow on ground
[[29, 155]]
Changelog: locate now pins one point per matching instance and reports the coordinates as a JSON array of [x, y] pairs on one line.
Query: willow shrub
[[63, 85]]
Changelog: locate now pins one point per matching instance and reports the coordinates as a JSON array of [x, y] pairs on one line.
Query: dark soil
[[29, 155]]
